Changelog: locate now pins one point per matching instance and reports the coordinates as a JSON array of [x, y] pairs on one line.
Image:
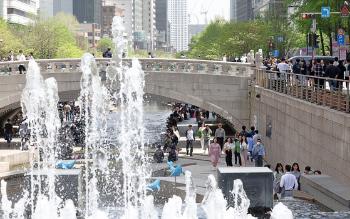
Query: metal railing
[[148, 65], [330, 92]]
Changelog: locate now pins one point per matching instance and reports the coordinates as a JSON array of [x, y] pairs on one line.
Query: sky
[[215, 8]]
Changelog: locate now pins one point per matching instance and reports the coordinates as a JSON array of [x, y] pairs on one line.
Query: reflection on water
[[155, 116]]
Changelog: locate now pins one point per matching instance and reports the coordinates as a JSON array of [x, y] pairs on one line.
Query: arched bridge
[[221, 87]]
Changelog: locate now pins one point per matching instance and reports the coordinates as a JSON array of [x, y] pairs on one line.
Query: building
[[126, 11], [194, 29], [241, 10], [149, 24], [178, 21], [87, 11], [274, 8], [108, 12], [162, 24], [18, 11], [49, 8], [65, 6], [92, 31]]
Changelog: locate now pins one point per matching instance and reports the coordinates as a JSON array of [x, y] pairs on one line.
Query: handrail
[[148, 64], [330, 92]]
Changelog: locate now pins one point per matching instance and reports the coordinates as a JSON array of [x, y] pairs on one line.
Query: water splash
[[214, 204], [190, 211], [281, 211]]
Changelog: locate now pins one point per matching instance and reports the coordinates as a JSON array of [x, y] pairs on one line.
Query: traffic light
[[310, 39], [316, 41], [306, 16]]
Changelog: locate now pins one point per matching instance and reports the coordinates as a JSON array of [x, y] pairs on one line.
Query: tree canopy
[[46, 38], [237, 38]]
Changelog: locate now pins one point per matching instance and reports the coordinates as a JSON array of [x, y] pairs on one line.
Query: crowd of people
[[324, 68], [244, 149], [17, 57], [287, 179]]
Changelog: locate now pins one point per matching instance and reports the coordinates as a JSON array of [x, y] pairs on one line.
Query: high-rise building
[[65, 6], [18, 11], [178, 21], [162, 24], [49, 8], [275, 8], [149, 23], [87, 11], [108, 12], [241, 10]]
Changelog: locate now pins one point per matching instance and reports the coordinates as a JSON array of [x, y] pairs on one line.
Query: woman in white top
[[228, 147], [201, 135], [244, 150]]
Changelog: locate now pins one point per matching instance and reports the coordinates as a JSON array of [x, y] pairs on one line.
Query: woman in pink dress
[[214, 152]]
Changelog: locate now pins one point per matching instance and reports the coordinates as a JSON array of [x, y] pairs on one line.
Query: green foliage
[[8, 40], [104, 44], [230, 38], [49, 38]]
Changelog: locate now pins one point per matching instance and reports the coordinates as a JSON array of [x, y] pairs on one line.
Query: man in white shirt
[[288, 183], [283, 68], [190, 138]]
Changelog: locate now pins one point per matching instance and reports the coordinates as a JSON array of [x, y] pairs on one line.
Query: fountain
[[115, 170]]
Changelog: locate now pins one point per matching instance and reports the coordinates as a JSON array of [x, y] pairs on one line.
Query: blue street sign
[[341, 40], [276, 53], [325, 12]]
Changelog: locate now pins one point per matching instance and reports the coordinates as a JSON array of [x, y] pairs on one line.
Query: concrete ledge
[[14, 157], [4, 167], [326, 190]]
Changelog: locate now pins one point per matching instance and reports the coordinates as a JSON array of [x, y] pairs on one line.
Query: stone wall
[[303, 132]]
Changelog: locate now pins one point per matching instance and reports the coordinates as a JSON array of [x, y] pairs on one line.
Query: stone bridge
[[220, 87], [293, 128]]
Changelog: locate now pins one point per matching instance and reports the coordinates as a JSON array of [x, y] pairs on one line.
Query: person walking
[[228, 147], [107, 53], [296, 173], [288, 183], [277, 175], [200, 134], [206, 135], [8, 131], [220, 135], [237, 151], [67, 108], [250, 146], [244, 150], [190, 137], [21, 58], [214, 153], [258, 153], [332, 71]]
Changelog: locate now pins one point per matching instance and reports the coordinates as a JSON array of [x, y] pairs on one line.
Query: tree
[[48, 38], [104, 44], [8, 41]]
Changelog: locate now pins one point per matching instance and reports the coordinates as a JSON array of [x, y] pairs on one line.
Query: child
[[214, 152]]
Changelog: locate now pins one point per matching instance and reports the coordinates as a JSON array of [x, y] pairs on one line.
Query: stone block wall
[[303, 132]]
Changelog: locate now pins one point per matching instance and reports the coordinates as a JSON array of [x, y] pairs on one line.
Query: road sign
[[344, 10], [341, 40], [276, 53], [280, 39], [325, 12]]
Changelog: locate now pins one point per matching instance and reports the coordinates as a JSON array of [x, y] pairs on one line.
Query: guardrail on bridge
[[330, 92]]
